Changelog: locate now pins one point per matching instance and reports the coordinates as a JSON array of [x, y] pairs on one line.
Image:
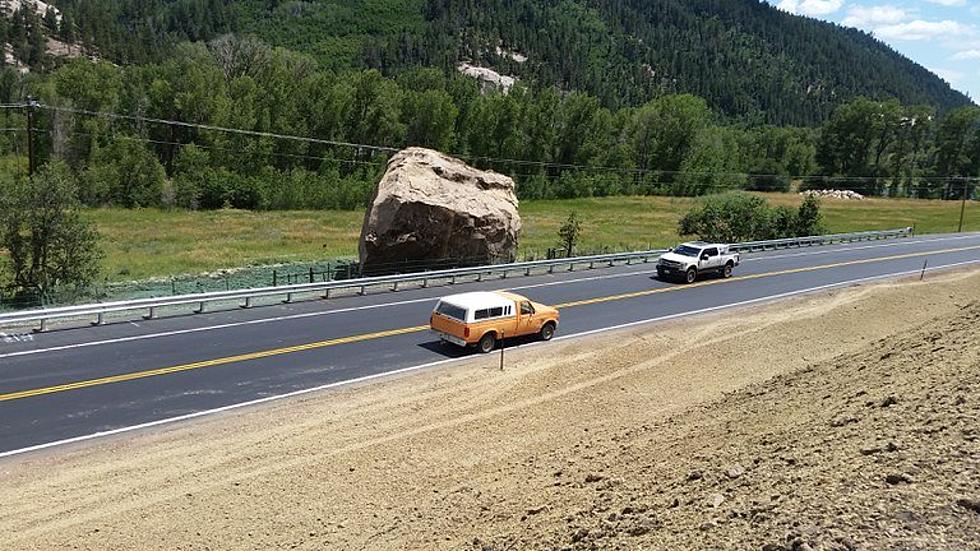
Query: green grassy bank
[[148, 243]]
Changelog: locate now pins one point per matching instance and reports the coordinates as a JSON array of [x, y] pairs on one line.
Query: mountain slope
[[749, 60]]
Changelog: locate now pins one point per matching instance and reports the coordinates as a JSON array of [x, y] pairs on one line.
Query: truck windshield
[[451, 311], [684, 250]]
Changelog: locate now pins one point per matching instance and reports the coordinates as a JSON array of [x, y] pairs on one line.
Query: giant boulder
[[433, 211]]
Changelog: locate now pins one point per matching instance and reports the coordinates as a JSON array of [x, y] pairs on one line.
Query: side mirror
[[705, 256]]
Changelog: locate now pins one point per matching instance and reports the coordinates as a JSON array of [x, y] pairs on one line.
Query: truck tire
[[726, 272], [691, 276], [487, 343], [548, 331]]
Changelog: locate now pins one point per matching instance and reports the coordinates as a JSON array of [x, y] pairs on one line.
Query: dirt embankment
[[846, 420]]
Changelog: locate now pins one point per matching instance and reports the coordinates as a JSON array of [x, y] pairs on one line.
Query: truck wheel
[[726, 272], [487, 343], [548, 331], [691, 275]]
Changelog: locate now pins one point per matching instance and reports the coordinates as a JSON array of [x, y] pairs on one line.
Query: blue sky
[[941, 35]]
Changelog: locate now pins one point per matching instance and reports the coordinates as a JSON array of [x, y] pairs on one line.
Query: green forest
[[316, 121], [748, 60]]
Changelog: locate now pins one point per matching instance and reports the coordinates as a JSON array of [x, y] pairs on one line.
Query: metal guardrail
[[750, 246], [323, 289]]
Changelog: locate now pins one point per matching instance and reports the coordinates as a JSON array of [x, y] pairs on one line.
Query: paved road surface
[[69, 385]]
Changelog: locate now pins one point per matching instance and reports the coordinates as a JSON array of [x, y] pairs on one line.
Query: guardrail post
[[43, 327], [452, 280], [571, 266], [479, 277], [527, 272], [592, 265], [326, 294], [363, 290], [425, 283], [395, 287], [99, 320], [248, 302], [202, 308], [551, 269], [152, 314], [629, 261], [289, 298]]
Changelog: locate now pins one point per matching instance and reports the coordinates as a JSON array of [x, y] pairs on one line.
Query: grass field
[[149, 243]]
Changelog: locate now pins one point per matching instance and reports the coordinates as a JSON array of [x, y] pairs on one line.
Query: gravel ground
[[842, 420]]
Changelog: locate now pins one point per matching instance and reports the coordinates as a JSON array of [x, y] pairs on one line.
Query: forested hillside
[[750, 61]]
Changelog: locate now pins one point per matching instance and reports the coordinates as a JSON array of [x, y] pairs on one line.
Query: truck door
[[713, 260], [525, 324]]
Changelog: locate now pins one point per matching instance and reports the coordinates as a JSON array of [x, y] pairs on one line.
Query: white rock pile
[[834, 194]]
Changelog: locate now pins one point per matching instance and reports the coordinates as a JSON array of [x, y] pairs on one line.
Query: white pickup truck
[[688, 261]]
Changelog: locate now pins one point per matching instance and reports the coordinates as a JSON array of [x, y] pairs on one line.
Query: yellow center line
[[757, 276], [419, 328], [209, 363]]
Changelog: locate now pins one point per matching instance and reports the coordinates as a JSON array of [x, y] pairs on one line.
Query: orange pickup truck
[[481, 319]]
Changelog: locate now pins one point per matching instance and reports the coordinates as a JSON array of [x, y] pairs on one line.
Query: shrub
[[734, 217], [809, 221], [569, 233], [124, 173], [50, 245], [728, 218]]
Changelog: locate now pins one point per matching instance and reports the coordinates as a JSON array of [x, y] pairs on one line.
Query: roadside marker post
[[502, 346], [923, 274]]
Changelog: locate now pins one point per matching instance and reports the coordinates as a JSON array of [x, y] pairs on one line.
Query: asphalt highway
[[76, 384]]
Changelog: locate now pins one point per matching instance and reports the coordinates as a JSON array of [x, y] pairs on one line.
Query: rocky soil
[[838, 421], [878, 449]]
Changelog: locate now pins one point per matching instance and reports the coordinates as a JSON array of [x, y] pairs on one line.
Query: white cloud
[[922, 30], [967, 54], [811, 7], [948, 2], [868, 16]]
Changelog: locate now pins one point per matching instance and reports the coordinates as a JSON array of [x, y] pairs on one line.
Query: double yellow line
[[419, 328], [209, 363]]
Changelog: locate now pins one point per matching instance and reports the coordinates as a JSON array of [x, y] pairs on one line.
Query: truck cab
[[689, 260], [482, 319]]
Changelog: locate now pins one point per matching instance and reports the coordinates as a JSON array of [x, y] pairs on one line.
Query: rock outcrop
[[488, 79], [431, 211], [834, 194]]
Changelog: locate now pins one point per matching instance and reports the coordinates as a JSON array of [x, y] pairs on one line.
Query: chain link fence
[[252, 277]]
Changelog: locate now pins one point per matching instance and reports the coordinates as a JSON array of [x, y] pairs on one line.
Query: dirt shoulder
[[841, 420]]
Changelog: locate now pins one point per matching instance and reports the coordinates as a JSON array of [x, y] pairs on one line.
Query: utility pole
[[963, 205], [31, 162]]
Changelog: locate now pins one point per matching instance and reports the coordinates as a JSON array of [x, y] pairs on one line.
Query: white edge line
[[305, 315], [410, 369]]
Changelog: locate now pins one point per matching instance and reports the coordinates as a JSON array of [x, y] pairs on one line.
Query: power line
[[641, 172], [369, 147], [198, 126], [232, 150]]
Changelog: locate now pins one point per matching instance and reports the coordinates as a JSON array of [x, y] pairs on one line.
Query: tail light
[[466, 333]]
